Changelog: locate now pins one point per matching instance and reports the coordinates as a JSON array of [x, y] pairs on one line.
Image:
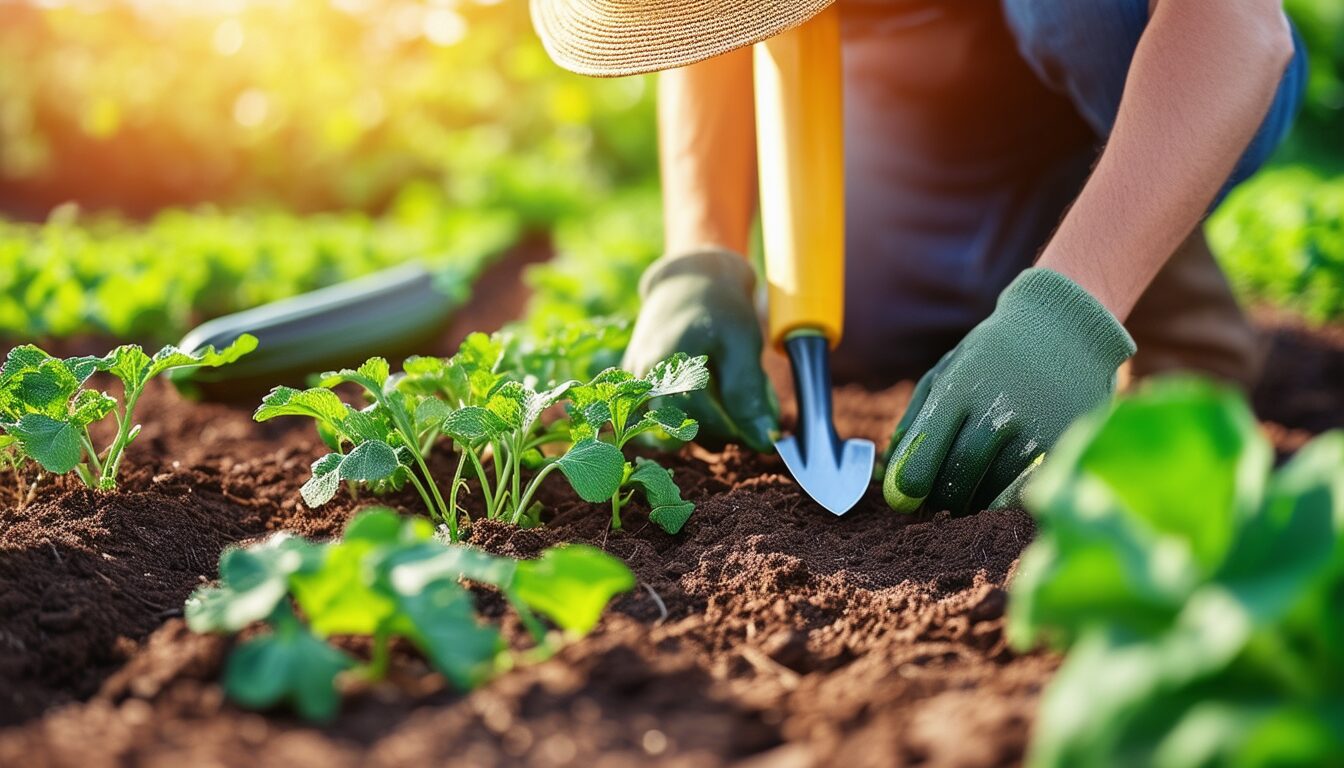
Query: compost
[[767, 633]]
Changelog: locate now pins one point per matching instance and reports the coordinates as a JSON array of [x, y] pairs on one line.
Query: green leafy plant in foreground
[[46, 409], [387, 578], [494, 419], [1201, 598]]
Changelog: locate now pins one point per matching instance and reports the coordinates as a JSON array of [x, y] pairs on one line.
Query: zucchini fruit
[[393, 313]]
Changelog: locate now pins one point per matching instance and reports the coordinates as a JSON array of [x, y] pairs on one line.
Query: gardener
[[981, 135]]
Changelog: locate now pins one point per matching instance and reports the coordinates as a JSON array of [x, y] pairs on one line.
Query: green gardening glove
[[994, 404], [700, 303]]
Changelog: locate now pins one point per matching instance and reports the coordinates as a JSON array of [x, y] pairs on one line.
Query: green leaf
[[594, 469], [45, 388], [253, 582], [380, 525], [668, 419], [440, 620], [340, 597], [326, 480], [90, 406], [318, 403], [171, 357], [412, 572], [289, 664], [677, 374], [431, 413], [130, 364], [666, 507], [22, 358], [472, 424], [56, 445], [571, 585], [372, 375], [1122, 534], [369, 462]]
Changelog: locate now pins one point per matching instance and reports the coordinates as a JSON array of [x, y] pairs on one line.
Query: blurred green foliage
[[305, 104], [153, 281], [1320, 126], [1280, 237]]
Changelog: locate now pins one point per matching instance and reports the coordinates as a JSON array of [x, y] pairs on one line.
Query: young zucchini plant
[[46, 410], [384, 443], [619, 400], [494, 419], [387, 578]]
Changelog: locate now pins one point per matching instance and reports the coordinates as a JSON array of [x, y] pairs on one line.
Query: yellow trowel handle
[[801, 155]]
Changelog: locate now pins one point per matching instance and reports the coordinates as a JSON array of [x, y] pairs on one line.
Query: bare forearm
[[1201, 81], [707, 149]]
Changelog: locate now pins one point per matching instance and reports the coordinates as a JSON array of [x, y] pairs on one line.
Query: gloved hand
[[700, 303], [995, 403]]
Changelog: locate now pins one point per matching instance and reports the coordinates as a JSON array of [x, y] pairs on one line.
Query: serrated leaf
[[130, 364], [571, 585], [670, 420], [56, 445], [318, 403], [594, 469], [371, 375], [44, 388], [677, 374], [472, 424], [171, 357], [325, 481], [364, 426], [666, 507], [25, 357], [90, 406], [369, 462], [430, 413]]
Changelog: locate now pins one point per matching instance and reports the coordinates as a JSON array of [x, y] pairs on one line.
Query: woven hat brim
[[613, 38]]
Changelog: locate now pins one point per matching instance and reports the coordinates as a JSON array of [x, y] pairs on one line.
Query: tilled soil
[[767, 633]]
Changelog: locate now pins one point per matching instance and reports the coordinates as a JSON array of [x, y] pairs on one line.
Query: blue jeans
[[970, 127]]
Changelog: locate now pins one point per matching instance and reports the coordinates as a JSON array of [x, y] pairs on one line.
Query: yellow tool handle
[[800, 146]]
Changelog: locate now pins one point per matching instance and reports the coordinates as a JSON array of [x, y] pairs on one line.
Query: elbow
[[1270, 38]]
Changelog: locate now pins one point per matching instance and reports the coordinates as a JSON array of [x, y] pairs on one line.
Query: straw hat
[[610, 38]]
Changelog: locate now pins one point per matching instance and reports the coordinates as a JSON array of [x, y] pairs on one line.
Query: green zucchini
[[393, 313]]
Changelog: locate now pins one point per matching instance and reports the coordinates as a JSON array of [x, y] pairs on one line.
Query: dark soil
[[767, 633]]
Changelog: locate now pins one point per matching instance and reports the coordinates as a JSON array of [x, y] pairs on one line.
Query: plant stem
[[380, 657], [91, 452], [531, 490], [530, 621], [112, 465], [501, 486], [616, 511], [486, 490], [452, 495], [424, 496]]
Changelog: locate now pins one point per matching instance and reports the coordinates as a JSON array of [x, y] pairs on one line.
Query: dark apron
[[959, 164]]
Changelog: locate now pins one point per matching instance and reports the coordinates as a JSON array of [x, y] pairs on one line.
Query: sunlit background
[[193, 157]]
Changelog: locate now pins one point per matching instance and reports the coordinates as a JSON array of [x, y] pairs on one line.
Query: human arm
[[1199, 85], [698, 298], [1203, 76]]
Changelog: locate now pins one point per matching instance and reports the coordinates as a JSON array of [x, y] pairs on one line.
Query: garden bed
[[766, 631]]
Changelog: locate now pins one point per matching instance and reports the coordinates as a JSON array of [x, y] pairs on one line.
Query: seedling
[[388, 578], [46, 410], [494, 419], [1198, 594], [616, 401]]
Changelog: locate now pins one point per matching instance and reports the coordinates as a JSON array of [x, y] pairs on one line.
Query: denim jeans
[[970, 127]]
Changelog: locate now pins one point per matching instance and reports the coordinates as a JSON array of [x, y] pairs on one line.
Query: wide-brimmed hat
[[610, 38]]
